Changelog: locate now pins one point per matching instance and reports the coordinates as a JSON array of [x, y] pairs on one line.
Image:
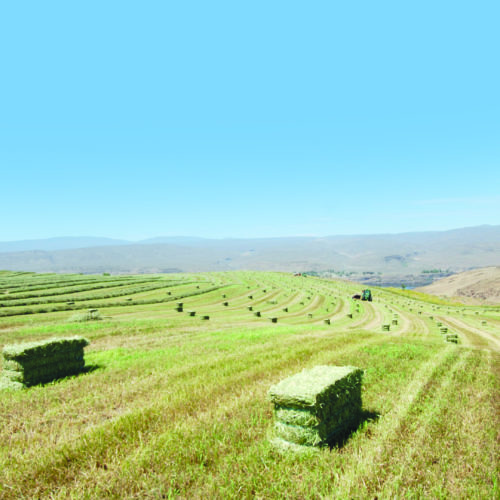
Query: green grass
[[174, 406]]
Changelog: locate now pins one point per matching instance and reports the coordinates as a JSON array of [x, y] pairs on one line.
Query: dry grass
[[178, 407]]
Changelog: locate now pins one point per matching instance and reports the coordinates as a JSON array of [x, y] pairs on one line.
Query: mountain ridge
[[389, 254], [73, 242]]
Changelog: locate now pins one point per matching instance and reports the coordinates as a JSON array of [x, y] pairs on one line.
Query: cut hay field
[[174, 402]]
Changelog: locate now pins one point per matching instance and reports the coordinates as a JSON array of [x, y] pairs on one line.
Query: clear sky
[[247, 118]]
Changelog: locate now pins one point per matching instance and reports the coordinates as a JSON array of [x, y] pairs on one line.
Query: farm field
[[174, 402]]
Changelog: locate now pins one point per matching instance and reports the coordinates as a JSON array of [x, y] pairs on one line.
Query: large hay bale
[[316, 406], [40, 362]]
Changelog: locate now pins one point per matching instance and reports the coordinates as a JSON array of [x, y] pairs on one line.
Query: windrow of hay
[[317, 406], [90, 315], [40, 362]]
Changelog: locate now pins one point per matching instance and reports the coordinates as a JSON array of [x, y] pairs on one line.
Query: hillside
[[392, 255], [478, 285], [174, 402]]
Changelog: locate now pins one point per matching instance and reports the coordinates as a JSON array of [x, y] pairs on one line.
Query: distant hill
[[478, 285], [61, 243], [393, 257]]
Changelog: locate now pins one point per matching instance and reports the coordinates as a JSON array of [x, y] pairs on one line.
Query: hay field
[[175, 406]]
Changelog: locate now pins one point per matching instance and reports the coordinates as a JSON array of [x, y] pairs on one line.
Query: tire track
[[366, 461], [477, 337]]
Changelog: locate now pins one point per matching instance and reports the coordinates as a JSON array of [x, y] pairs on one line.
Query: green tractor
[[364, 295]]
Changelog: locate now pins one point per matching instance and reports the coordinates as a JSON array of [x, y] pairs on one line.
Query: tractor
[[364, 295]]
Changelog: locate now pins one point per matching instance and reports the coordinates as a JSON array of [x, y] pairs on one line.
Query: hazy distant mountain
[[174, 240], [72, 242], [62, 243], [391, 254]]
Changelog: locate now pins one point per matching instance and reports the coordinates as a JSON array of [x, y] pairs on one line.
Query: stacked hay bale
[[317, 406], [40, 362]]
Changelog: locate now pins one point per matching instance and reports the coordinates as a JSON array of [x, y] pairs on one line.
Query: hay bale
[[274, 320], [327, 321], [205, 317], [386, 327], [40, 362], [86, 316], [315, 406], [191, 313], [285, 447], [250, 308], [225, 303], [257, 313]]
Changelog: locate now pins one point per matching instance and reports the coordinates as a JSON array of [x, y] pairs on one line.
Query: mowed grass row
[[176, 407]]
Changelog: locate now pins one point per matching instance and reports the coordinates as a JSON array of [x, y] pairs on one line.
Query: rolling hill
[[477, 285], [173, 400], [391, 255]]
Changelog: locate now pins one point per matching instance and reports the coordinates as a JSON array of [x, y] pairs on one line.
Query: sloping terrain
[[478, 285], [174, 403]]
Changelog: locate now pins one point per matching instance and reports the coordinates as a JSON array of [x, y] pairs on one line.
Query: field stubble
[[176, 407]]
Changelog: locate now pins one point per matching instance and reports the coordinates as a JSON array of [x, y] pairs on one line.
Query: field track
[[174, 404]]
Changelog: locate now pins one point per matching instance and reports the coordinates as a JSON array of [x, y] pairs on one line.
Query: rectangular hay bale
[[313, 407], [40, 362]]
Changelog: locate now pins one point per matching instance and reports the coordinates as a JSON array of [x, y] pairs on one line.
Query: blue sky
[[246, 119]]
